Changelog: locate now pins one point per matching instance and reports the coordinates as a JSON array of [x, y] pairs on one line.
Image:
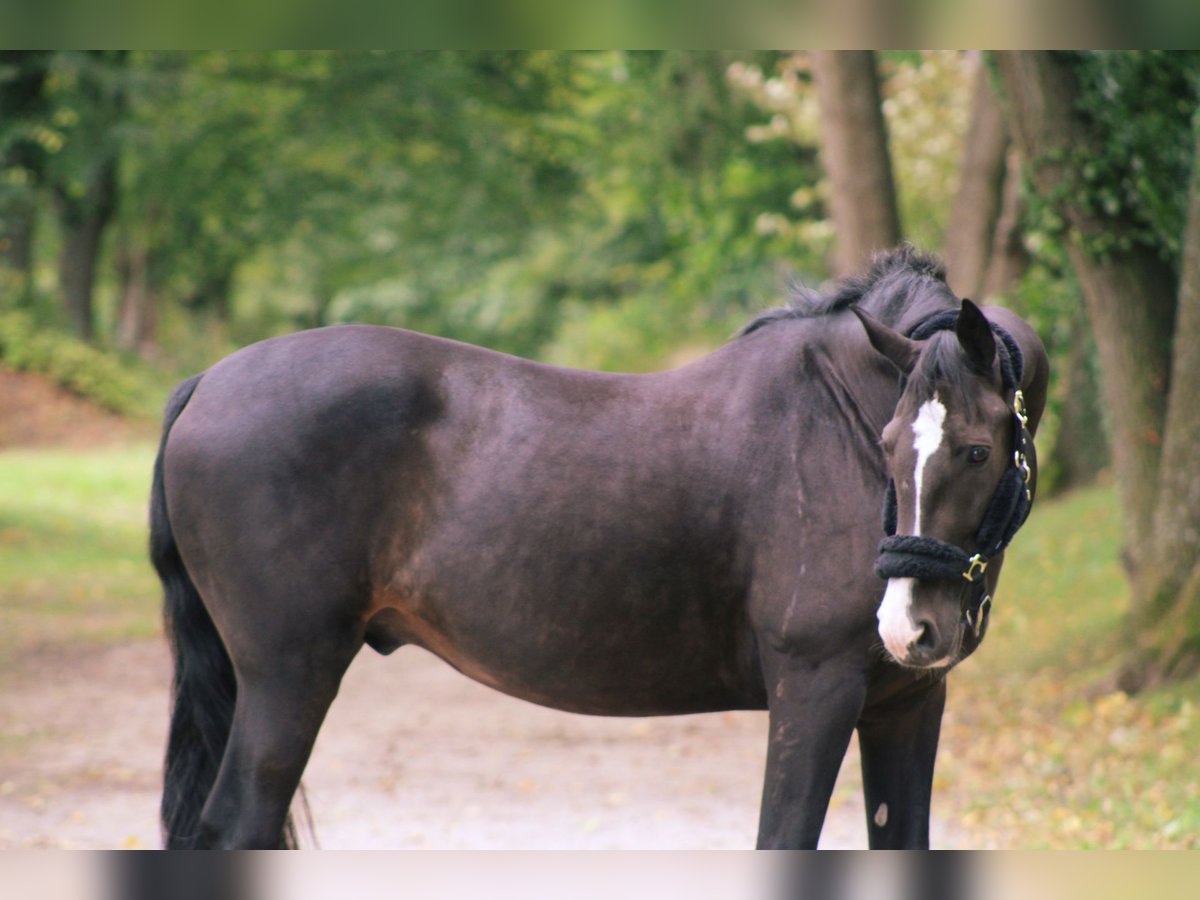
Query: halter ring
[[1019, 407], [976, 566], [981, 614]]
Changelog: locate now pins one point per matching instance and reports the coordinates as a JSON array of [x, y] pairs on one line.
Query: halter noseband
[[910, 556]]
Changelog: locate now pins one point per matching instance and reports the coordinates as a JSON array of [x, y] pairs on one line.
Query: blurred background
[[619, 211]]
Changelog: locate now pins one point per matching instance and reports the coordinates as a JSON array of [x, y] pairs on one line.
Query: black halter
[[909, 556]]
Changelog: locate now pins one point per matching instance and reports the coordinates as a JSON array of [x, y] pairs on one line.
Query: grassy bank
[[1039, 751], [72, 548]]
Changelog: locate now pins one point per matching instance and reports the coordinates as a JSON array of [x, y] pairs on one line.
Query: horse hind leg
[[281, 703]]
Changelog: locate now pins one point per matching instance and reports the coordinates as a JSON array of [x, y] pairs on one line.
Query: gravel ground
[[413, 755]]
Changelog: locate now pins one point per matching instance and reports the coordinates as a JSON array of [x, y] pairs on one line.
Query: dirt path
[[413, 755]]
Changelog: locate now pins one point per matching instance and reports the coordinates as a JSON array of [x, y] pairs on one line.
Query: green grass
[[73, 561], [1039, 750]]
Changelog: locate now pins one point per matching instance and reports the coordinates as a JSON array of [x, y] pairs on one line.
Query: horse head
[[962, 477]]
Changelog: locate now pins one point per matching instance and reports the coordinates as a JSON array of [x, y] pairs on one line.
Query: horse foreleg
[[279, 711], [812, 716], [899, 746]]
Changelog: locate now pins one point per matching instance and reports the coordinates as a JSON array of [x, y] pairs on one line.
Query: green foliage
[[70, 363], [926, 108], [636, 190], [487, 196], [1143, 102], [1140, 105]]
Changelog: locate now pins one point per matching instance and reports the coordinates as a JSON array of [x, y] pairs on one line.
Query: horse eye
[[979, 454]]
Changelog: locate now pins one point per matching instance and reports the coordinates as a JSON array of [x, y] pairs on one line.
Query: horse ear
[[899, 350], [975, 335]]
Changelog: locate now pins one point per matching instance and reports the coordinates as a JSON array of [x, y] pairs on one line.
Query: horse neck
[[802, 360]]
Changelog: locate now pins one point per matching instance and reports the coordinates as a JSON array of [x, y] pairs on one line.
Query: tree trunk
[[138, 319], [1169, 608], [1129, 294], [84, 215], [18, 221], [1080, 447], [214, 292], [1009, 259], [977, 205], [22, 101], [854, 151], [83, 225]]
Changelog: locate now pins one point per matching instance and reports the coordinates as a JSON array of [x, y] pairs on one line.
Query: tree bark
[[84, 216], [1080, 447], [137, 319], [214, 291], [83, 224], [1009, 259], [978, 203], [22, 100], [1169, 611], [1129, 294], [18, 222], [854, 151]]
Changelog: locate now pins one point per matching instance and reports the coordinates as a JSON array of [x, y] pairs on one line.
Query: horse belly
[[594, 664]]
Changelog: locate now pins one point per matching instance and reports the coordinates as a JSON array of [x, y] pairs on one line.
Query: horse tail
[[203, 689]]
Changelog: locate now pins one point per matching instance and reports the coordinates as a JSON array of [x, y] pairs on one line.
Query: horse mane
[[893, 281]]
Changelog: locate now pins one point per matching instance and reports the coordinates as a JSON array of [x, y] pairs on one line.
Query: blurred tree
[[1110, 140], [498, 197], [854, 150], [88, 93], [975, 217], [1009, 259], [1080, 449], [22, 159]]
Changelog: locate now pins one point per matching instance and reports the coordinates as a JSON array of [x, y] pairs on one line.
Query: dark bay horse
[[694, 540]]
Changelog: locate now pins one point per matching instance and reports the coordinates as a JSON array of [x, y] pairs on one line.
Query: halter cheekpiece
[[910, 556]]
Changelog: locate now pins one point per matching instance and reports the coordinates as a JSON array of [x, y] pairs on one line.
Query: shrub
[[68, 362]]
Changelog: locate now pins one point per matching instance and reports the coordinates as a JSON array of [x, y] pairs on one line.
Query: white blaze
[[927, 437], [895, 625]]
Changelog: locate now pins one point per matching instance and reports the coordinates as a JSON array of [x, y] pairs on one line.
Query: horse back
[[569, 537]]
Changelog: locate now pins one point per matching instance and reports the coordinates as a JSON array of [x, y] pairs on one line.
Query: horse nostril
[[927, 640]]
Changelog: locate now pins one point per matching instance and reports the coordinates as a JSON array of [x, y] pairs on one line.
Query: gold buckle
[[975, 566], [1019, 408], [1021, 463], [981, 614]]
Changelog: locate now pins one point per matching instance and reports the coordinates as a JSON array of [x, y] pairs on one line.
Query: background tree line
[[628, 210]]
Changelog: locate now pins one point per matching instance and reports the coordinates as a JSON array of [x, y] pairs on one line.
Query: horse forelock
[[897, 283], [943, 368]]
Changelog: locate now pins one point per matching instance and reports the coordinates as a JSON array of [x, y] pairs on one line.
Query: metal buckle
[[1021, 463], [976, 566], [984, 605], [1019, 408]]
